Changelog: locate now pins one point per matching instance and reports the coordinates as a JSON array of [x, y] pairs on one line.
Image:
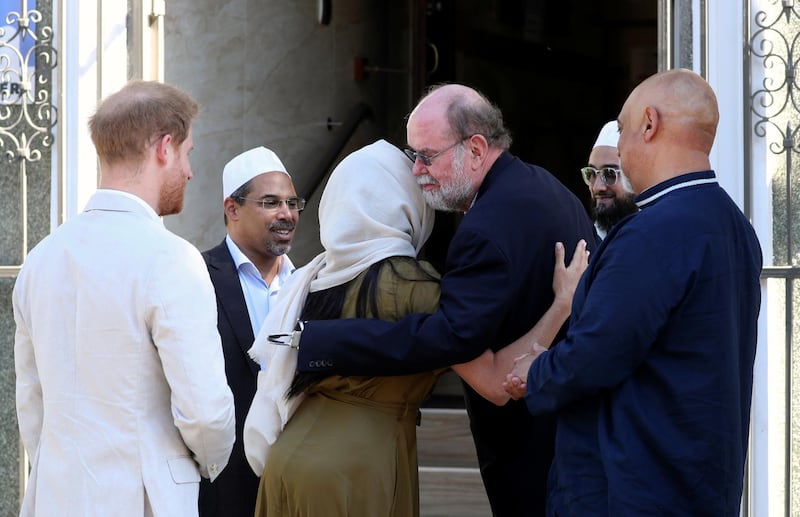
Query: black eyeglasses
[[608, 175], [427, 160], [296, 204]]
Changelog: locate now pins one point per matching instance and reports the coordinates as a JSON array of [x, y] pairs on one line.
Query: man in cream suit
[[121, 393]]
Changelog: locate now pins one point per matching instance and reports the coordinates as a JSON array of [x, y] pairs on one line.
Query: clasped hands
[[515, 383]]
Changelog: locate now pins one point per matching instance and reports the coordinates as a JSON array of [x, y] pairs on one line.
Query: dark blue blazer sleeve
[[474, 299]]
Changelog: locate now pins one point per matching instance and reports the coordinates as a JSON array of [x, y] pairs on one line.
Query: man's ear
[[652, 123], [477, 148], [164, 148], [230, 208]]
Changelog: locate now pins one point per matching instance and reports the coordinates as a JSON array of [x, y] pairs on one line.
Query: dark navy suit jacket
[[496, 285], [233, 493]]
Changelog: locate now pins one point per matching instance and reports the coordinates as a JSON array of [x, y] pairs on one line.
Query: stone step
[[449, 491], [444, 439], [449, 480]]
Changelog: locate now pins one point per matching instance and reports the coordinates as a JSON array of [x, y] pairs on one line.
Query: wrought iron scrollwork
[[778, 49], [775, 107], [27, 61], [775, 114]]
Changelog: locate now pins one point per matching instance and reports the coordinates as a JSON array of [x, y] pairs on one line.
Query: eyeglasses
[[608, 175], [296, 204], [427, 160]]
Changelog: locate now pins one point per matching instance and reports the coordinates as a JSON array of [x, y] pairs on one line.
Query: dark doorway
[[558, 70]]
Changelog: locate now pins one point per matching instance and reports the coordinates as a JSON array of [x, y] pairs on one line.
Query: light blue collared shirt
[[257, 294]]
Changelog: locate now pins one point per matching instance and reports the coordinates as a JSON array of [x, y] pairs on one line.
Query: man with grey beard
[[496, 284], [261, 211]]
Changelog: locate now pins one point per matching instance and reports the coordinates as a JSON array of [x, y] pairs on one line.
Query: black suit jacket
[[496, 285], [234, 492]]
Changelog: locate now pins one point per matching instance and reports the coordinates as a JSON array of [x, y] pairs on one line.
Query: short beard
[[607, 216], [279, 249], [170, 200], [456, 195]]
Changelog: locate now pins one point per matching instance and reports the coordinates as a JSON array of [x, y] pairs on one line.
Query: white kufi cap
[[247, 166], [609, 135]]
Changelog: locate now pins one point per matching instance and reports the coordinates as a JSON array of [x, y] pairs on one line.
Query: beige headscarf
[[371, 209]]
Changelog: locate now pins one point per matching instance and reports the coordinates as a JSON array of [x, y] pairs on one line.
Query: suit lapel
[[230, 297]]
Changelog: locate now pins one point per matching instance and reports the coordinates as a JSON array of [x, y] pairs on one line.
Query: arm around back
[[487, 373], [470, 309]]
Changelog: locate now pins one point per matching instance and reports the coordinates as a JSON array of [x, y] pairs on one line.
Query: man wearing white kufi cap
[[247, 269], [612, 194]]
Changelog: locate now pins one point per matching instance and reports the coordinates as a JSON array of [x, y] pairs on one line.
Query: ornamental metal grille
[[27, 121], [774, 113]]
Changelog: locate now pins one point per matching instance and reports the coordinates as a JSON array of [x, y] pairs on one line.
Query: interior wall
[[268, 73]]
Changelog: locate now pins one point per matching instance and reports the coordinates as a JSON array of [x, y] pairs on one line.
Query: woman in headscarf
[[347, 445]]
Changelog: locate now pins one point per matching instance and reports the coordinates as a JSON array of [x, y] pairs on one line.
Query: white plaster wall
[[266, 73], [725, 74]]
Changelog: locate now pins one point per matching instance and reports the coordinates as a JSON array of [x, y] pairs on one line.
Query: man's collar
[[652, 194], [500, 163], [119, 200]]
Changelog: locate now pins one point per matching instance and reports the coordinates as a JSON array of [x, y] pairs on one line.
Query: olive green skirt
[[342, 455]]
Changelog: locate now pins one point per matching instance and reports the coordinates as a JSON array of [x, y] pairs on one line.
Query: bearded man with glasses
[[261, 211], [612, 195]]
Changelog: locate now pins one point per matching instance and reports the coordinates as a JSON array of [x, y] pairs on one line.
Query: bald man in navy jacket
[[653, 382]]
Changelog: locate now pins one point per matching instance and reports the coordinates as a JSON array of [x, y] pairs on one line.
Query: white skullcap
[[247, 166], [609, 135]]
